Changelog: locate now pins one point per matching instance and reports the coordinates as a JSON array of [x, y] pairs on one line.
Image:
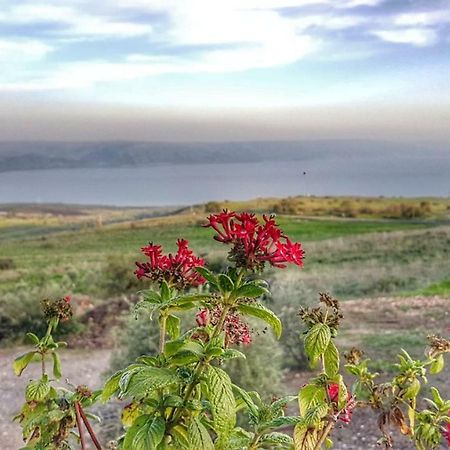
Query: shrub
[[7, 264]]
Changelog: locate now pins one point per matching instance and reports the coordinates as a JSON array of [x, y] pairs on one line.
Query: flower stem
[[162, 332]]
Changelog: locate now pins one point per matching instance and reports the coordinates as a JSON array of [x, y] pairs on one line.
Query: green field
[[57, 251]]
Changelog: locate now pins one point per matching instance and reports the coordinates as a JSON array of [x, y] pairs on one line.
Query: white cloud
[[75, 22], [15, 51], [419, 37], [422, 18]]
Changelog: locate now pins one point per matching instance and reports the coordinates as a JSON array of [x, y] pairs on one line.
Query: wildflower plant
[[183, 399], [51, 414]]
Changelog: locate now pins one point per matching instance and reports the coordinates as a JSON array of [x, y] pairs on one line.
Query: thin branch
[[89, 428], [80, 426]]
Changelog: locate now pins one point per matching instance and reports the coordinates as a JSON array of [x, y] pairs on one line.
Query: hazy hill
[[55, 155]]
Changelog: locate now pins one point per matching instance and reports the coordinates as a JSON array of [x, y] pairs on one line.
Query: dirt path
[[84, 368]]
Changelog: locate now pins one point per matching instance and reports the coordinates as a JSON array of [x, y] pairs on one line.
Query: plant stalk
[[162, 332], [80, 426], [89, 428]]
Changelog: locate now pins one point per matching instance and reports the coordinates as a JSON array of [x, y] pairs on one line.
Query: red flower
[[177, 270], [254, 243], [236, 330], [346, 414], [202, 318], [446, 433], [68, 299]]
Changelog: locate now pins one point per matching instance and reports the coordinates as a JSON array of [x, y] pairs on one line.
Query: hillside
[[68, 155]]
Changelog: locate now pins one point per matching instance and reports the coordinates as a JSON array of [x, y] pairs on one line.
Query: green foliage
[[50, 413]]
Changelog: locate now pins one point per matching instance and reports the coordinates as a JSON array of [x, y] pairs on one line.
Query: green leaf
[[21, 362], [37, 390], [331, 360], [56, 366], [231, 353], [173, 326], [208, 276], [180, 437], [260, 311], [165, 291], [250, 290], [147, 379], [130, 413], [437, 365], [152, 297], [279, 439], [310, 396], [221, 398], [199, 437], [244, 395], [283, 421], [314, 415], [225, 283], [111, 386], [33, 338], [146, 433], [316, 341]]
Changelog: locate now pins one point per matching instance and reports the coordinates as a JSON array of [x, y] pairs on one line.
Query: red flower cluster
[[346, 414], [236, 330], [177, 270], [255, 243]]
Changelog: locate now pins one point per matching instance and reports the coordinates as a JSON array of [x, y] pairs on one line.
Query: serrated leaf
[[280, 439], [37, 390], [199, 437], [221, 399], [173, 326], [250, 290], [56, 366], [314, 415], [145, 380], [146, 433], [21, 362], [316, 341], [331, 360], [260, 311], [283, 421], [310, 396], [225, 283]]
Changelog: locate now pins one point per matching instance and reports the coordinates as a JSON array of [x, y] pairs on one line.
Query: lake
[[190, 184]]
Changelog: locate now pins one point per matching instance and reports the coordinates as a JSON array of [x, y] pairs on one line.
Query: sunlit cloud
[[420, 37]]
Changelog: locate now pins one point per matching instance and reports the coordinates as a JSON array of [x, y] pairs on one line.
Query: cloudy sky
[[224, 69]]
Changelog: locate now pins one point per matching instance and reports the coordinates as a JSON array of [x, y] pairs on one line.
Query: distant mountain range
[[70, 155]]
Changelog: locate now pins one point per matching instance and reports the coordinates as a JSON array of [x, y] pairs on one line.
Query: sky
[[224, 70]]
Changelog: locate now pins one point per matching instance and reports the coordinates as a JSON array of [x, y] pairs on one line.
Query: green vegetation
[[350, 257]]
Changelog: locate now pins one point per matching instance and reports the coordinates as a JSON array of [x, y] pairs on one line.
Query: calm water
[[188, 184]]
